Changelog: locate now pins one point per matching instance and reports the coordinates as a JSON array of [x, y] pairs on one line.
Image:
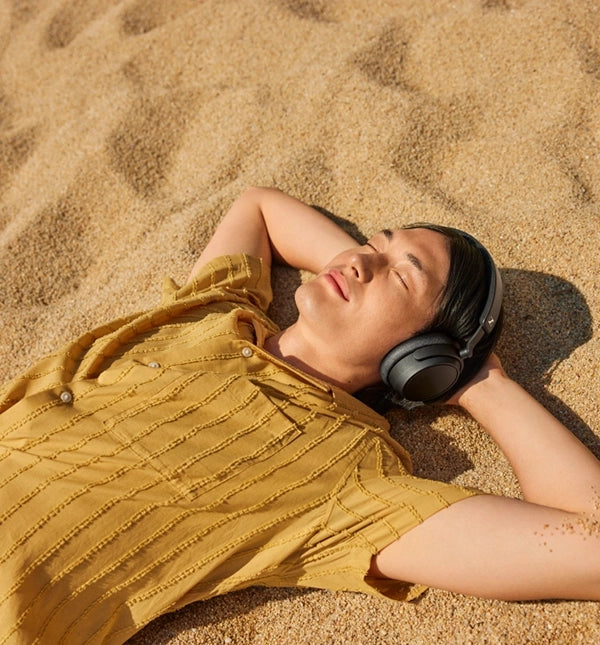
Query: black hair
[[457, 316]]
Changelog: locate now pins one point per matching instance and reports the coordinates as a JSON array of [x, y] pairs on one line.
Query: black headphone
[[425, 367]]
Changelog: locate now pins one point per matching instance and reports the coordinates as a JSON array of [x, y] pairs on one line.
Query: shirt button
[[66, 396], [153, 364], [247, 352]]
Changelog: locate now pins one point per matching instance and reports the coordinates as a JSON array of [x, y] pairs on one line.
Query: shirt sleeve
[[239, 278], [377, 504]]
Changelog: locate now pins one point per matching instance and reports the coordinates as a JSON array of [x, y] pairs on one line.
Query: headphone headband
[[493, 303]]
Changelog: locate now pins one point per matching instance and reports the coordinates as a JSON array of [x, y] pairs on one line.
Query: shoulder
[[236, 276]]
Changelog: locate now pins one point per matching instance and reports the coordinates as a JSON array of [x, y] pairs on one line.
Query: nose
[[364, 265]]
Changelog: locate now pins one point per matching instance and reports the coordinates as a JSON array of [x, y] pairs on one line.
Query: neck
[[291, 346]]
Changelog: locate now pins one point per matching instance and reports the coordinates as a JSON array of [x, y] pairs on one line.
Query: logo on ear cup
[[422, 368]]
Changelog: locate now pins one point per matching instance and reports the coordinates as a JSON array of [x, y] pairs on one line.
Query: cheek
[[389, 333], [395, 324]]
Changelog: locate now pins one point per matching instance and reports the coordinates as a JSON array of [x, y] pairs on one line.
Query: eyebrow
[[413, 259]]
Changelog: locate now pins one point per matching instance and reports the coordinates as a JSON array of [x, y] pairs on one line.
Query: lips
[[338, 281]]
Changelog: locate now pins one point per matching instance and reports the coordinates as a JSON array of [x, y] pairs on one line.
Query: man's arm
[[269, 224], [497, 547], [553, 467]]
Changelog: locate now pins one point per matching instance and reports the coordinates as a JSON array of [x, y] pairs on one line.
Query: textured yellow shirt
[[166, 458]]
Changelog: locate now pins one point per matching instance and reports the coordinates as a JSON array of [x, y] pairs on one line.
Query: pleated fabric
[[166, 458]]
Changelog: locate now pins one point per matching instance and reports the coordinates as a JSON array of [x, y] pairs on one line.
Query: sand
[[127, 127]]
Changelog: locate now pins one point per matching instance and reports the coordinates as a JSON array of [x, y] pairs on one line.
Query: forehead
[[428, 250]]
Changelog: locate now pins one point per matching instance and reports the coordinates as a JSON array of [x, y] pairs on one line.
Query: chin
[[309, 300]]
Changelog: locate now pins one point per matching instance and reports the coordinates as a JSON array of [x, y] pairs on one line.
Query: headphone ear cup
[[422, 368]]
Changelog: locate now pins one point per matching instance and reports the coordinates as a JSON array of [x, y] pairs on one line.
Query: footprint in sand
[[16, 144], [383, 62], [142, 147], [308, 9], [72, 18], [52, 247], [145, 15]]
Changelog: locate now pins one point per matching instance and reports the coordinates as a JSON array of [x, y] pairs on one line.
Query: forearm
[[553, 467], [274, 226], [300, 236]]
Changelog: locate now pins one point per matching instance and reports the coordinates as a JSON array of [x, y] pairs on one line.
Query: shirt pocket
[[201, 430]]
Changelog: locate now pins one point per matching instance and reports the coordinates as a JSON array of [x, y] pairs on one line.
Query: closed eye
[[397, 275], [400, 279]]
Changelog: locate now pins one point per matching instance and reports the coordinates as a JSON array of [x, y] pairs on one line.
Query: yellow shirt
[[166, 458]]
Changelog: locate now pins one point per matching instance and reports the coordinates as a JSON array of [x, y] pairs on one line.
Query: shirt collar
[[343, 401]]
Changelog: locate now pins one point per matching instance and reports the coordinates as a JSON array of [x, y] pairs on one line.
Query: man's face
[[371, 297]]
